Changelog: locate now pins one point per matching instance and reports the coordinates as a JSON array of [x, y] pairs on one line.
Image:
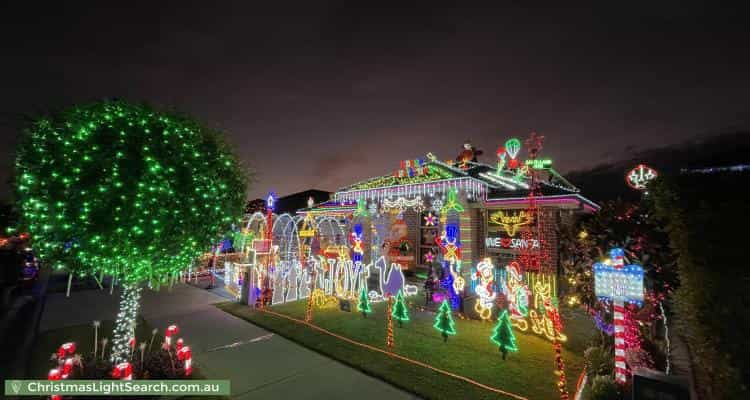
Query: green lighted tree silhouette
[[125, 190], [400, 310], [363, 303], [444, 321], [503, 336]]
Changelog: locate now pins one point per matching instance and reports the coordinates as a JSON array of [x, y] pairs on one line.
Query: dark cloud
[[327, 93]]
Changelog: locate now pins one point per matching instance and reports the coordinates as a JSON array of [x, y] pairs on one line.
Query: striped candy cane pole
[[620, 368]]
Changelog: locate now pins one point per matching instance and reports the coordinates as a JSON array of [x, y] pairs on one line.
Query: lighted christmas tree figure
[[400, 311], [503, 336], [444, 321], [363, 304]]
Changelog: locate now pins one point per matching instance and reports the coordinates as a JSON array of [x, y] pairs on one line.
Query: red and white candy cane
[[172, 330], [67, 368], [185, 355], [621, 371], [54, 375], [123, 371], [179, 344], [66, 349]]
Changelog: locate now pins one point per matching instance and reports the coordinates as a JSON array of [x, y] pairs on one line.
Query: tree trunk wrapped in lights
[[125, 323], [389, 318]]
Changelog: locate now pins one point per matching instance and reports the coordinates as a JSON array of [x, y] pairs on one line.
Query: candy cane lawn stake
[[123, 371], [185, 355], [66, 349], [67, 368], [54, 375], [171, 331], [619, 283]]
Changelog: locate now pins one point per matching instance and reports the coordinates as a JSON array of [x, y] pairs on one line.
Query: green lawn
[[529, 373]]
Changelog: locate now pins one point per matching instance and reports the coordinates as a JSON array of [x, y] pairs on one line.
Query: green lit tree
[[363, 304], [400, 310], [128, 191], [503, 336], [444, 321]]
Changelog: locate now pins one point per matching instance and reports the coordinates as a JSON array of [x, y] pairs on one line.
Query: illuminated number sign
[[640, 176]]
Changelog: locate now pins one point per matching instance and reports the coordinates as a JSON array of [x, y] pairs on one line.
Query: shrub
[[598, 361], [604, 388]]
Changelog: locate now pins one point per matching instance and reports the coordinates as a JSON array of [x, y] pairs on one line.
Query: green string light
[[102, 190]]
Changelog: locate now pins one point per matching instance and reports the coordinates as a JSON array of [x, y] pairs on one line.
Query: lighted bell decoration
[[512, 147]]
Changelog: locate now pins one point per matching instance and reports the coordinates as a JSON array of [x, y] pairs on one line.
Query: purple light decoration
[[603, 326], [438, 297], [447, 284]]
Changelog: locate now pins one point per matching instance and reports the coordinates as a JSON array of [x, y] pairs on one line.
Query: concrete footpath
[[259, 364]]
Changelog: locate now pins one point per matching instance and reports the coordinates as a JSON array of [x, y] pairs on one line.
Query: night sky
[[326, 94]]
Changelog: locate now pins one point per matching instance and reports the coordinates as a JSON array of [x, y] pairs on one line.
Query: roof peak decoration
[[430, 177]]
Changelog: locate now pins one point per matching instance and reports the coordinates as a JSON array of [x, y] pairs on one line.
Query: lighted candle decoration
[[639, 177]]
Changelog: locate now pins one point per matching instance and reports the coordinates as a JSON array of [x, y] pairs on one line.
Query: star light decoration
[[430, 219], [429, 257], [126, 191]]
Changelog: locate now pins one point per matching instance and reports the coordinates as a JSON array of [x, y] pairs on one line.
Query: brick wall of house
[[548, 225], [411, 218], [551, 220]]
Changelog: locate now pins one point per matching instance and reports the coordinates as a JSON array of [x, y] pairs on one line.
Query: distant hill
[[607, 181]]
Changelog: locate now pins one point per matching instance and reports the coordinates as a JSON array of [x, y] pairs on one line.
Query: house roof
[[497, 181], [482, 182], [296, 201]]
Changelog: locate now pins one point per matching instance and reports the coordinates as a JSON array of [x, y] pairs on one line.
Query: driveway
[[258, 363]]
